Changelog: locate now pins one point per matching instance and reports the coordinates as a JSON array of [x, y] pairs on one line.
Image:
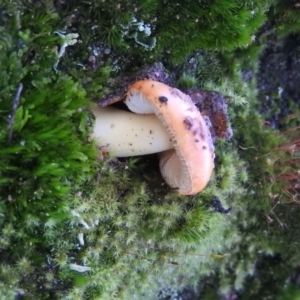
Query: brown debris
[[214, 106]]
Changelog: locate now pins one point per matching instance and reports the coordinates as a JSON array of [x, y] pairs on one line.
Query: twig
[[152, 260], [283, 225], [14, 107], [243, 148]]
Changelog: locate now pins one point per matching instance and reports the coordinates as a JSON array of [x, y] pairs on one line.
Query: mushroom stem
[[123, 133]]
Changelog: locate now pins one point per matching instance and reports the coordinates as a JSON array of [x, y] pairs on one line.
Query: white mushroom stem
[[123, 133]]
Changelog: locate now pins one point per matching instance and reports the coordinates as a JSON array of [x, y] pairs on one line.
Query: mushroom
[[165, 120]]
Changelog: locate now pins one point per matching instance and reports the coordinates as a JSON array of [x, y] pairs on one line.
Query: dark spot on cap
[[150, 131], [188, 121], [196, 140], [204, 147], [130, 144], [163, 99], [195, 132], [152, 85]]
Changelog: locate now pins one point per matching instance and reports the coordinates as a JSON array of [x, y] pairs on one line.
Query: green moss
[[284, 17], [217, 25], [187, 81]]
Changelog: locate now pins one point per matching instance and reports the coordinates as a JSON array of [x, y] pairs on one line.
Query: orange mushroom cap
[[187, 167]]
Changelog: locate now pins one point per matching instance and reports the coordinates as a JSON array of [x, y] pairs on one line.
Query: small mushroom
[[179, 130]]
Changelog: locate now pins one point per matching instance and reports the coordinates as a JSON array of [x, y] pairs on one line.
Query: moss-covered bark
[[75, 225]]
